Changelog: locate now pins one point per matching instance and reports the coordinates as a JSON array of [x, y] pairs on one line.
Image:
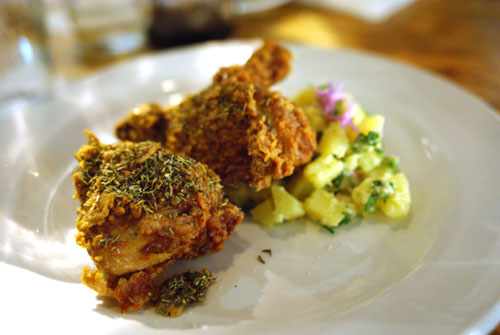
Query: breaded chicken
[[237, 126], [142, 207]]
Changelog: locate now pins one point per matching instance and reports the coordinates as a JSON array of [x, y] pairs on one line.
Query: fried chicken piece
[[243, 131], [269, 64], [141, 208]]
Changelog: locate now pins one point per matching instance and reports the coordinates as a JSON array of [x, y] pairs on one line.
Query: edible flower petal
[[328, 98], [346, 119]]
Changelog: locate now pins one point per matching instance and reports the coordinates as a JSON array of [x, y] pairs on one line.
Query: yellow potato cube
[[306, 97], [286, 204], [238, 195], [369, 160], [299, 186], [397, 205], [380, 172], [359, 115], [361, 193], [372, 123], [315, 117], [322, 206], [265, 213], [241, 195], [351, 161], [351, 134], [323, 170], [334, 141]]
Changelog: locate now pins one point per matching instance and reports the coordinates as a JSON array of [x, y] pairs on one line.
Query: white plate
[[437, 272]]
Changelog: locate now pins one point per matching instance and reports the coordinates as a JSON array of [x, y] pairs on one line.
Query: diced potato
[[351, 161], [369, 160], [334, 141], [307, 100], [243, 196], [238, 195], [323, 170], [265, 213], [315, 117], [372, 123], [322, 206], [359, 115], [357, 110], [343, 104], [299, 186], [286, 204], [380, 172], [361, 193], [255, 197], [318, 204], [306, 97], [351, 134], [397, 205]]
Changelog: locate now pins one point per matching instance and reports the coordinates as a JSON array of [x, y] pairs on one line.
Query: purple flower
[[328, 98]]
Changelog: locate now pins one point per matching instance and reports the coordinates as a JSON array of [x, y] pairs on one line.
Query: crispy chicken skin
[[141, 208], [237, 126]]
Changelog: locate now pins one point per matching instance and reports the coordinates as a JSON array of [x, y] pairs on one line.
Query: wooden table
[[457, 39]]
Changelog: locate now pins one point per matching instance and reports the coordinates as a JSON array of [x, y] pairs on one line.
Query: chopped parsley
[[381, 189], [392, 162], [348, 217], [338, 181], [365, 142]]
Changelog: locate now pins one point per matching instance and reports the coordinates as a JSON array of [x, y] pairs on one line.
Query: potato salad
[[349, 178]]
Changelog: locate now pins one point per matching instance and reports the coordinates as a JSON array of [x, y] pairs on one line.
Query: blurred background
[[48, 42]]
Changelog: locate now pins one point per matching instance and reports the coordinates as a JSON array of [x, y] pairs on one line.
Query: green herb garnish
[[142, 172], [183, 289], [364, 142], [348, 217], [381, 189], [109, 240], [392, 162], [337, 182]]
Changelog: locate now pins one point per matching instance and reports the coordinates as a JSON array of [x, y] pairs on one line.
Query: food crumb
[[183, 289], [268, 251]]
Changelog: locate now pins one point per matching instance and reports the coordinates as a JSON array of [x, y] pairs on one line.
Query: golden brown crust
[[147, 122], [132, 291], [269, 64], [244, 132], [141, 208]]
